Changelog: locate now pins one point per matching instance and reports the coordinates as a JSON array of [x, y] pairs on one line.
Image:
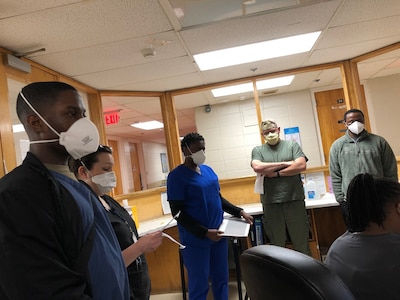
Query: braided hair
[[368, 199], [190, 138]]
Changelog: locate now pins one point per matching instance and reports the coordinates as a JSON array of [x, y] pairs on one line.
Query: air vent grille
[[269, 92]]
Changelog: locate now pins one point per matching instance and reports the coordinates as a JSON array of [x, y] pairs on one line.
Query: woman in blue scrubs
[[193, 189]]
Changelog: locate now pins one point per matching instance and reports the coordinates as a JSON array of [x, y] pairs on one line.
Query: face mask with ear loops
[[105, 182], [198, 157]]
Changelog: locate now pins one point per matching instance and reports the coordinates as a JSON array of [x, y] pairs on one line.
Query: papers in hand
[[259, 184], [234, 227]]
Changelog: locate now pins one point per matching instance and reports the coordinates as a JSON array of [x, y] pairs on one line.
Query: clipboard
[[234, 227]]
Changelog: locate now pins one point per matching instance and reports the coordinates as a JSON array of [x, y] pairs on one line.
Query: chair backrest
[[272, 272]]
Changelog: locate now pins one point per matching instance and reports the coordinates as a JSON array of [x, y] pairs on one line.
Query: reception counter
[[327, 200], [326, 224]]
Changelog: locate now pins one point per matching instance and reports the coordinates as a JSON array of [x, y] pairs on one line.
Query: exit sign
[[111, 118]]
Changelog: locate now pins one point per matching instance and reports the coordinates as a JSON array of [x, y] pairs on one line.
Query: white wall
[[231, 130], [152, 160], [296, 110], [383, 101]]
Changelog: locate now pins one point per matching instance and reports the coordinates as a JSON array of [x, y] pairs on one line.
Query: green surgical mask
[[272, 138]]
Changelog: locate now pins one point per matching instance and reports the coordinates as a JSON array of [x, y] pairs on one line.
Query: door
[[331, 107], [137, 182]]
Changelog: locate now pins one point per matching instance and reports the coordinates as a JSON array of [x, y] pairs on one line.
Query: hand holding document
[[234, 227]]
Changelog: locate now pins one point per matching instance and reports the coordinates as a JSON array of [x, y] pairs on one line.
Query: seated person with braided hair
[[366, 257]]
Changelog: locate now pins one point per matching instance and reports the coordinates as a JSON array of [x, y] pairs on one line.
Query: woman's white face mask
[[105, 182], [81, 138], [198, 157]]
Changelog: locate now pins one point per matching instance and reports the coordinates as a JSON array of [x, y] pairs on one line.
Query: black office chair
[[272, 272]]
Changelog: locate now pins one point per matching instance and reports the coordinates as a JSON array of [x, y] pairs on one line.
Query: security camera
[[207, 108]]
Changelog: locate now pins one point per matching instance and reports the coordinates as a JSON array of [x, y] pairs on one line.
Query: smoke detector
[[149, 52]]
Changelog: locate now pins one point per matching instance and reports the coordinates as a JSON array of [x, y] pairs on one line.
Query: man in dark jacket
[[55, 239]]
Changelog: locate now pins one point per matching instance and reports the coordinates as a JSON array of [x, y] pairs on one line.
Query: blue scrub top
[[202, 202]]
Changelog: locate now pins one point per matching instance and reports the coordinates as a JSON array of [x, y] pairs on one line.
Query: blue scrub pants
[[204, 264]]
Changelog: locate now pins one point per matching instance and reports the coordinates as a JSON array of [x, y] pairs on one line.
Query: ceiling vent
[[149, 52], [269, 92]]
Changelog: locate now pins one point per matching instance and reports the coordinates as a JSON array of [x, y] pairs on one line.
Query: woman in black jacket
[[95, 170]]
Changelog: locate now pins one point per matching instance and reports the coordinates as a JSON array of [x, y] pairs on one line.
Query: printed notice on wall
[[164, 203], [292, 134]]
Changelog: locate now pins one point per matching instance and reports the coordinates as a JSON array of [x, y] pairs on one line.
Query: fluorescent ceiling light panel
[[274, 82], [232, 90], [148, 125], [18, 128], [256, 52], [248, 87]]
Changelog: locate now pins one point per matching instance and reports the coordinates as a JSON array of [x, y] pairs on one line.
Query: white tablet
[[234, 227]]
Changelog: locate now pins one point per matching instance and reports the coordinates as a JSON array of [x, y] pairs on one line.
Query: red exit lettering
[[111, 118]]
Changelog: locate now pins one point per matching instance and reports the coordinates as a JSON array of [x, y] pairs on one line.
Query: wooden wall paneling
[[353, 90], [239, 191], [7, 154], [147, 202], [164, 267], [330, 225], [38, 74], [171, 130], [96, 114], [258, 109]]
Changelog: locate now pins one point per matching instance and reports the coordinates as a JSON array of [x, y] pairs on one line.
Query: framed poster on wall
[[164, 162]]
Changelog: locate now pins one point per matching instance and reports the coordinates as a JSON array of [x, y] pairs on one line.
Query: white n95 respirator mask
[[356, 127], [81, 138]]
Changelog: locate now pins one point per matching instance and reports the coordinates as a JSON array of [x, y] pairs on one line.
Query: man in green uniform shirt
[[280, 163]]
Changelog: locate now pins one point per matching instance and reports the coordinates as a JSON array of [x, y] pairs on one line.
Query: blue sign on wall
[[292, 133]]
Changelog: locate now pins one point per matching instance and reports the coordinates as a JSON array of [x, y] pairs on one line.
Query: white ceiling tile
[[259, 28], [98, 42], [144, 72], [12, 8], [164, 84], [360, 11]]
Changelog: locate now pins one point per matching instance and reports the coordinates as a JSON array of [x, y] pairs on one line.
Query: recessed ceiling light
[[148, 125], [256, 52]]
